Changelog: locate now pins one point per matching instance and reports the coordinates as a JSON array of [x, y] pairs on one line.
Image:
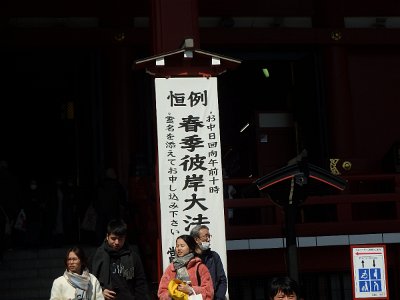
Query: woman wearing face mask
[[193, 276], [212, 260], [76, 283]]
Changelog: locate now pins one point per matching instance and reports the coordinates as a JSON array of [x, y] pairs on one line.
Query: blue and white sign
[[369, 272]]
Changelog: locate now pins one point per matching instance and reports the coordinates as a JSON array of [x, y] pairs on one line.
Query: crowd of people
[[37, 212], [29, 216], [115, 272], [51, 212]]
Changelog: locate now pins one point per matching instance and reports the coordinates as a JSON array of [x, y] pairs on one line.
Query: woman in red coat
[[188, 268]]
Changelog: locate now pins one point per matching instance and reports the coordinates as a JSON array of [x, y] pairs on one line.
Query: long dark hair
[[190, 241], [81, 255]]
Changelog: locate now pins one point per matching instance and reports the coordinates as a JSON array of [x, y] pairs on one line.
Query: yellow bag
[[173, 290]]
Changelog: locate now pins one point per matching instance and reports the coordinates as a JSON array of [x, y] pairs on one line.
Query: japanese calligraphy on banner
[[189, 154]]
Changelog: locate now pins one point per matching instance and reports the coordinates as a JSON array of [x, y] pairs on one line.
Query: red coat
[[206, 287]]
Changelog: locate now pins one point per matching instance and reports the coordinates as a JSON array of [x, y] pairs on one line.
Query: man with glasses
[[212, 260]]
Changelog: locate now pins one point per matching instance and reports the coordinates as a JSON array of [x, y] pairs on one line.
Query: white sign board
[[189, 161], [369, 272]]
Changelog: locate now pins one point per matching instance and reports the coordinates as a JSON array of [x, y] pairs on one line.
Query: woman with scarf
[[76, 283], [188, 273]]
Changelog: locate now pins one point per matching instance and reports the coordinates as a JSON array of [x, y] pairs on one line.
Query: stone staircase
[[28, 274]]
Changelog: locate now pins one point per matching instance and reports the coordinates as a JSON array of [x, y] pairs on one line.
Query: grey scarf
[[81, 283], [180, 264]]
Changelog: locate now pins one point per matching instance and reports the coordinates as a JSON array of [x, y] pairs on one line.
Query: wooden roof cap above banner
[[186, 61]]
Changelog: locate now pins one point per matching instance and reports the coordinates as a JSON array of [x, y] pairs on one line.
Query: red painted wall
[[375, 84]]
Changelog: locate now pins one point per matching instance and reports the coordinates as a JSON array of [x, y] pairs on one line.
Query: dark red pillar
[[337, 85], [172, 22], [118, 110], [339, 105]]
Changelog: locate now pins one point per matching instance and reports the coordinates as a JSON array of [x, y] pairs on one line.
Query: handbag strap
[[193, 291]]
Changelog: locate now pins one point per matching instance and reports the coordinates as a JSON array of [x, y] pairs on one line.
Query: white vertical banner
[[189, 157]]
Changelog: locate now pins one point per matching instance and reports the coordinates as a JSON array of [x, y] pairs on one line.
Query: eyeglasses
[[73, 259]]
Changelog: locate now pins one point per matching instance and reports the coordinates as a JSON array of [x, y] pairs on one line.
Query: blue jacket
[[214, 264]]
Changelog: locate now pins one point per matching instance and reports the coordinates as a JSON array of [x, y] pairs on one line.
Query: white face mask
[[205, 246]]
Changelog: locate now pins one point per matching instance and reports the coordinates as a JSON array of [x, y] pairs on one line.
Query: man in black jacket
[[118, 268], [212, 260]]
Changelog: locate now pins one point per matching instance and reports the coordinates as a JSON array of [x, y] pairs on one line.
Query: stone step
[[26, 294], [35, 263]]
